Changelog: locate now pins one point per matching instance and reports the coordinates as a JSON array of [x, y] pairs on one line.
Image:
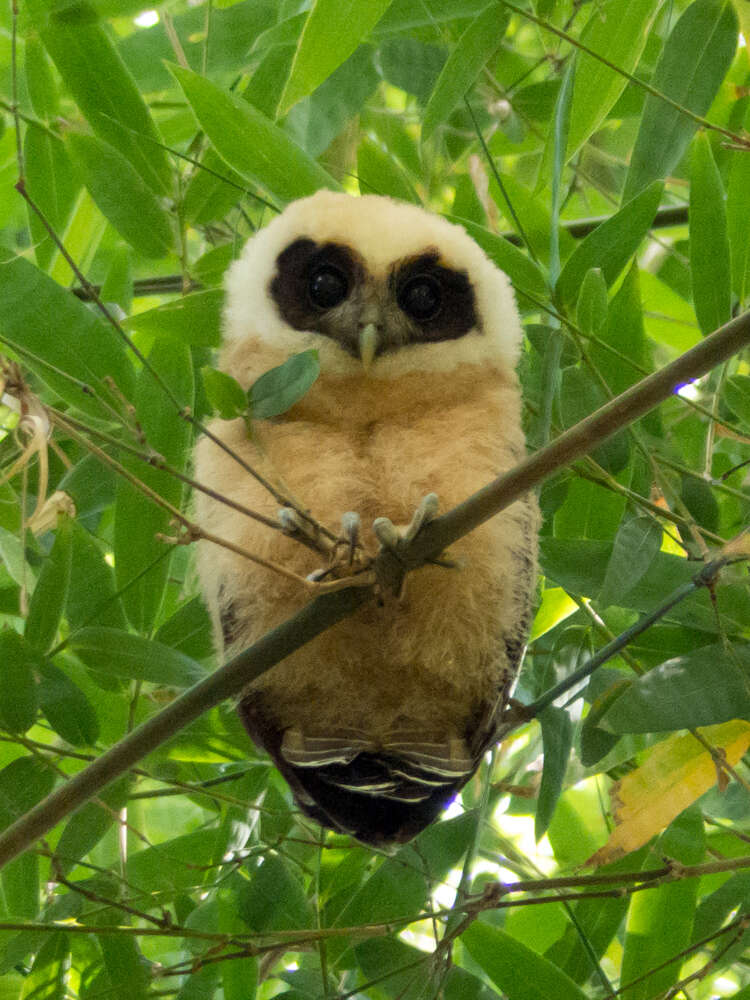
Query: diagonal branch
[[328, 609]]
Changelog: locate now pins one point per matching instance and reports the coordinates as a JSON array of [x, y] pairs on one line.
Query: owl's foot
[[391, 538], [349, 562], [392, 573], [304, 531]]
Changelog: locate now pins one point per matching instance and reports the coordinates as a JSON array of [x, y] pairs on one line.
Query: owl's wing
[[380, 794]]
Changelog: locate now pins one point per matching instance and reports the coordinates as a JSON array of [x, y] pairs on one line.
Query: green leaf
[[618, 31], [557, 739], [87, 825], [213, 189], [332, 31], [315, 121], [122, 195], [703, 687], [40, 82], [379, 173], [274, 900], [737, 396], [18, 702], [277, 390], [40, 317], [595, 741], [580, 396], [709, 243], [225, 394], [692, 65], [118, 283], [20, 885], [738, 218], [126, 655], [591, 311], [636, 545], [476, 45], [106, 93], [52, 183], [249, 142], [51, 591], [47, 979], [189, 630], [140, 572], [611, 245], [92, 595], [148, 870], [624, 332], [67, 709], [596, 921], [191, 319], [660, 922], [515, 969], [23, 783], [524, 274]]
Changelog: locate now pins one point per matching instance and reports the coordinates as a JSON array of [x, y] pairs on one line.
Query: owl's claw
[[389, 535], [349, 569]]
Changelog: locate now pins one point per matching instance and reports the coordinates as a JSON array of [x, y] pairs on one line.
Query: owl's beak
[[368, 345]]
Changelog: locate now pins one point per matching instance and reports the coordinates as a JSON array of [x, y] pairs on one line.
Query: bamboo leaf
[[332, 31], [523, 272], [636, 545], [191, 319], [138, 519], [251, 143], [475, 46], [704, 687], [737, 396], [591, 311], [692, 65], [51, 591], [40, 317], [52, 183], [557, 738], [67, 709], [122, 195], [611, 245], [514, 968], [659, 922], [111, 650], [709, 243], [618, 31], [18, 700], [105, 91]]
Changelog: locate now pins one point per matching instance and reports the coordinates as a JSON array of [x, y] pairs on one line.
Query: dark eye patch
[[312, 278], [438, 301]]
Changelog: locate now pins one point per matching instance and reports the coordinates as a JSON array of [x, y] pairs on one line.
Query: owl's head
[[374, 285]]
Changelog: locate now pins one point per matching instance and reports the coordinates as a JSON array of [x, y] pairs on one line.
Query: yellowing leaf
[[672, 776]]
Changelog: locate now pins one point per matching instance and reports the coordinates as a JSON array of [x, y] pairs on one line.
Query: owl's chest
[[379, 451]]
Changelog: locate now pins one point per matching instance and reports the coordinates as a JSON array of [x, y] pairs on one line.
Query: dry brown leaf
[[672, 776]]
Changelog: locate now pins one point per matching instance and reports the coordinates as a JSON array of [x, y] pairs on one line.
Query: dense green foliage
[[570, 139]]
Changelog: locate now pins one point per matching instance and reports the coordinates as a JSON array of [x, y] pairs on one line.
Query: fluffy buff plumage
[[377, 722]]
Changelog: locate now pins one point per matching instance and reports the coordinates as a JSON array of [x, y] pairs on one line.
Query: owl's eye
[[327, 287], [421, 298]]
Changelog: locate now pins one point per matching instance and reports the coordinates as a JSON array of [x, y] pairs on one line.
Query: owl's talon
[[389, 535], [295, 526], [350, 529]]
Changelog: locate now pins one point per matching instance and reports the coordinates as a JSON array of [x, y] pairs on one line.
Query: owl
[[380, 720]]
